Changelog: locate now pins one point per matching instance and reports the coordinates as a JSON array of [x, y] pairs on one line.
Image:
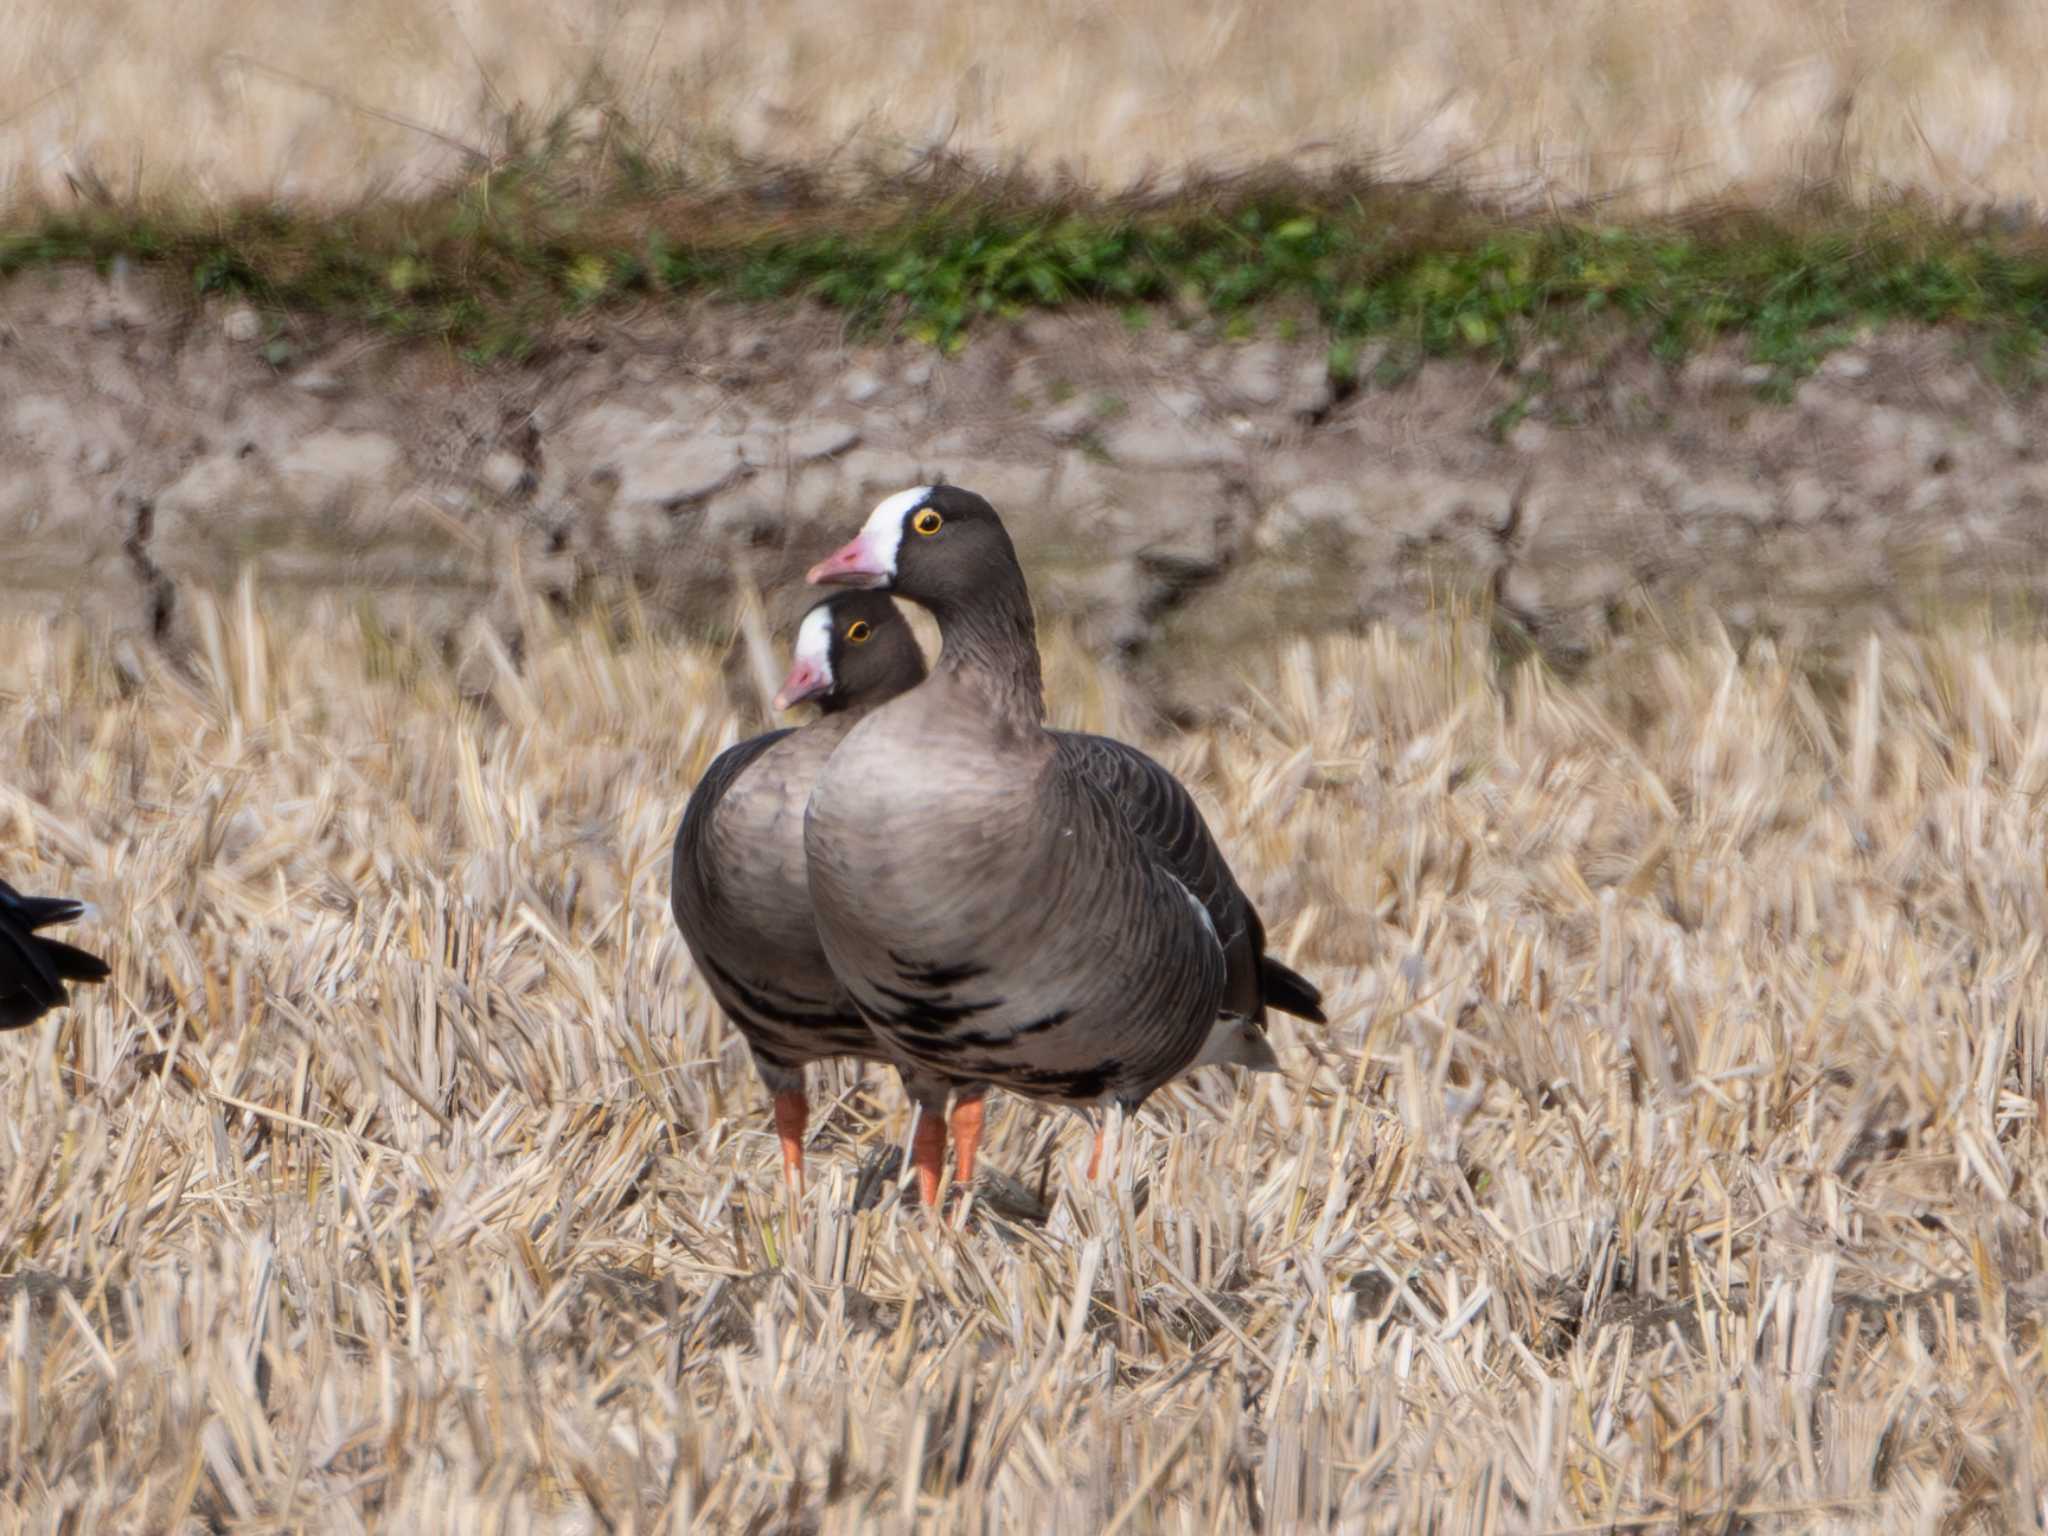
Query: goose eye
[[858, 631], [928, 521]]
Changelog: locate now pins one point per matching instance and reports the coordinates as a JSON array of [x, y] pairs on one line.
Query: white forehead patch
[[883, 534], [814, 642]]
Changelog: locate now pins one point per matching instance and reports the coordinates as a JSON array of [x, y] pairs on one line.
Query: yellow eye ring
[[858, 631], [928, 521]]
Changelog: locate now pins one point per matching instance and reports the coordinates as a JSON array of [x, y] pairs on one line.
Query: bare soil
[[1176, 495]]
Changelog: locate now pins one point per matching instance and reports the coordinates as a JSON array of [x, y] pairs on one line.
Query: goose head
[[940, 546], [852, 649]]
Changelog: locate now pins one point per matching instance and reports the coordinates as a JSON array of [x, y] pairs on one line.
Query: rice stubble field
[[1671, 1160]]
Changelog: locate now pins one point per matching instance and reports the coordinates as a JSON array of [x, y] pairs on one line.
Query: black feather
[[1290, 992], [33, 969], [74, 964], [33, 912]]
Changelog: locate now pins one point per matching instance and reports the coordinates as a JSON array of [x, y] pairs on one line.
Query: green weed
[[491, 265]]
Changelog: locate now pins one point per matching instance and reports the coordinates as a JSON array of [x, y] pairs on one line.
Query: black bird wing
[[33, 912], [33, 969]]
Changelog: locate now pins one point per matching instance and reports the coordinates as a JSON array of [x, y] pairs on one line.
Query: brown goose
[[33, 969], [737, 883], [1011, 906]]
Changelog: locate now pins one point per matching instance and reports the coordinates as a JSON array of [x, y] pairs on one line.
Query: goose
[[33, 969], [737, 883], [1010, 906]]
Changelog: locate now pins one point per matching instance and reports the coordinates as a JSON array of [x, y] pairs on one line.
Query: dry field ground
[[1672, 1159], [1642, 104]]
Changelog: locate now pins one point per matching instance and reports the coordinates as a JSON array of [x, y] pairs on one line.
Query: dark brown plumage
[[1170, 825], [1011, 906], [737, 884], [33, 969]]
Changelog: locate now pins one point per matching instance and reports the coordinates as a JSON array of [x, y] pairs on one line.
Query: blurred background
[[1648, 105]]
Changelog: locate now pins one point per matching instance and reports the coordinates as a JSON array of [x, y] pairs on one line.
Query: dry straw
[[1636, 104], [1672, 1160]]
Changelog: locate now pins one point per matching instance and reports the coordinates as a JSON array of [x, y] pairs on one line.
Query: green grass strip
[[494, 266]]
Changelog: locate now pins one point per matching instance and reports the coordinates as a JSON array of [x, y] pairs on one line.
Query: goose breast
[[994, 917]]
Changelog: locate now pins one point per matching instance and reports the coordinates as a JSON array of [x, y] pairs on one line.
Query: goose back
[[741, 900]]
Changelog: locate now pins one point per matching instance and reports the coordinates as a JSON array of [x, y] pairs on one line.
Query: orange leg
[[928, 1154], [1096, 1166], [792, 1114], [967, 1116]]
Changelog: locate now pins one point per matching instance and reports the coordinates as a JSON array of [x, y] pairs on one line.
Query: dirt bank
[[1165, 488]]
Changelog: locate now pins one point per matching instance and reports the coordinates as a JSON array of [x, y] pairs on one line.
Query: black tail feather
[[1289, 992], [20, 1011], [48, 911], [33, 969], [74, 964], [33, 912]]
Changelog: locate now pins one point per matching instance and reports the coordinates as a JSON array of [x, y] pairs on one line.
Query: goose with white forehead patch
[[737, 883], [33, 969], [1009, 906]]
